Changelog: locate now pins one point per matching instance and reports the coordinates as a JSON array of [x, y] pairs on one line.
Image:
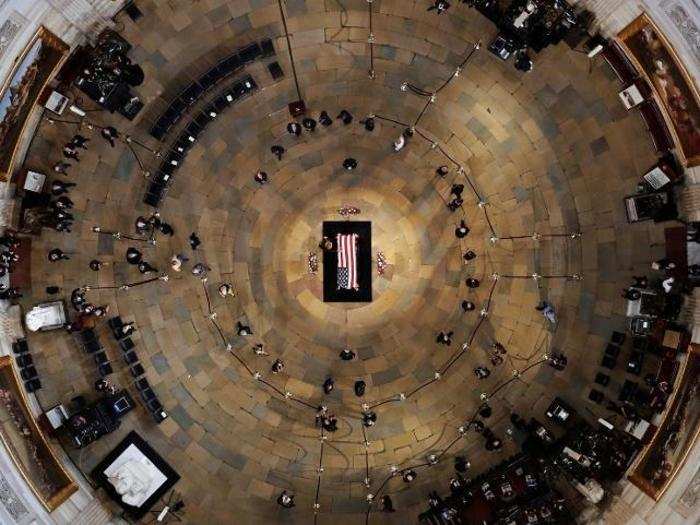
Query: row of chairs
[[172, 159], [91, 345], [128, 348], [609, 361], [224, 68], [25, 362]]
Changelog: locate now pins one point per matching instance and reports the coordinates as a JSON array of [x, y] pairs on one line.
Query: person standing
[[286, 500], [309, 124], [548, 311], [481, 372], [277, 151], [444, 338], [387, 504], [200, 270], [57, 254], [176, 261], [109, 134], [226, 289], [78, 141], [194, 241], [328, 385], [70, 152], [61, 167], [469, 255], [133, 256], [261, 177], [145, 268], [454, 204], [468, 306], [242, 329], [345, 116], [347, 355], [95, 265], [63, 203], [293, 128], [462, 230], [325, 119], [59, 187]]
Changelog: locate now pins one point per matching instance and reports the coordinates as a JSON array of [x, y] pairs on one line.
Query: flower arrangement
[[382, 263], [313, 263], [348, 210]]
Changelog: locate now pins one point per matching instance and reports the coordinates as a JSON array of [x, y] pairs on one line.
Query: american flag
[[347, 261]]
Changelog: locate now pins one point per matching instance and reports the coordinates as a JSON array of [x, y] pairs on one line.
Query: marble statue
[[132, 481]]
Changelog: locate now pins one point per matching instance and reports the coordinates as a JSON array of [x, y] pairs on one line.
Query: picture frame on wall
[[674, 89], [32, 70], [661, 460], [26, 444]]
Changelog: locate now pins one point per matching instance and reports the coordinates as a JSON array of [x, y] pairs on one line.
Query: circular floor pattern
[[538, 147]]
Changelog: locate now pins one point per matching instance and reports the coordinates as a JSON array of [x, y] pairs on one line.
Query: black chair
[[105, 369], [250, 52], [87, 335], [612, 350], [32, 385], [126, 344], [28, 373], [628, 390], [275, 70], [230, 64], [92, 347], [142, 384], [115, 322], [160, 416], [268, 49], [147, 395], [608, 362], [24, 360], [137, 370], [100, 358], [618, 338], [640, 344], [596, 396], [191, 93], [154, 405], [602, 379], [130, 358], [634, 363], [20, 346]]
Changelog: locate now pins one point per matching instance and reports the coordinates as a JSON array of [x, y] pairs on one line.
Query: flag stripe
[[347, 260]]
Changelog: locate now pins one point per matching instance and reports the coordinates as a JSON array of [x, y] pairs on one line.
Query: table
[[631, 97]]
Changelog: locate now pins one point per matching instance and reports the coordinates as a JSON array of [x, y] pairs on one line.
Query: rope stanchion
[[126, 286], [121, 236]]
